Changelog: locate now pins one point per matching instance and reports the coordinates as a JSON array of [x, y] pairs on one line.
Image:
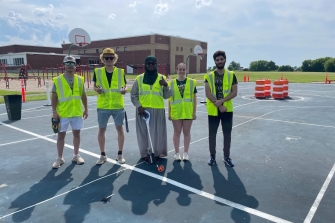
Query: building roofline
[[67, 43], [56, 54]]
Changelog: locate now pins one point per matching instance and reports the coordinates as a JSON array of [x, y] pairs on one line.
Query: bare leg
[[120, 136], [187, 134], [177, 126], [76, 141], [102, 139], [60, 143]]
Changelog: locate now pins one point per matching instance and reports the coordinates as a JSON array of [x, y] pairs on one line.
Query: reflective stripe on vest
[[150, 96], [227, 84], [69, 100], [61, 90], [119, 79], [183, 99], [111, 97]]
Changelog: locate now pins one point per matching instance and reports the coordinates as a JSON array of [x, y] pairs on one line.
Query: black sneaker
[[211, 162], [228, 161]]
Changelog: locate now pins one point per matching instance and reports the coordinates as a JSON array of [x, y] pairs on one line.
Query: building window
[[3, 61], [97, 50], [117, 49], [79, 51], [125, 48], [181, 48], [84, 51], [18, 61], [177, 48], [191, 50]]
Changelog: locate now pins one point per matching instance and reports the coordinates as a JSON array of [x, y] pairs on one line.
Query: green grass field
[[293, 77]]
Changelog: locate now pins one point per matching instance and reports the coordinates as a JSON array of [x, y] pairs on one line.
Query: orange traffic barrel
[[267, 88], [260, 89], [285, 88], [278, 89]]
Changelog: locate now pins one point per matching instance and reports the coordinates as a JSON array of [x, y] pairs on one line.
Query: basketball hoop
[[200, 55], [79, 37]]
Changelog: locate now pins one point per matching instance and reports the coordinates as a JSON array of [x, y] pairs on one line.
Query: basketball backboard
[[198, 51], [79, 37]]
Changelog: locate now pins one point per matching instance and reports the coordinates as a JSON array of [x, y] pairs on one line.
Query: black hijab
[[150, 76]]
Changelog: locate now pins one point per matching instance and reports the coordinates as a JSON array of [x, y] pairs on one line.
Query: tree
[[234, 66], [285, 68], [260, 65], [330, 65], [230, 67], [272, 65], [306, 66]]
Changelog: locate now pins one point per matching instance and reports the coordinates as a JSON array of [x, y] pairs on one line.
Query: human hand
[[123, 90], [218, 103], [194, 116], [169, 117], [55, 115], [141, 111], [98, 89], [85, 115], [222, 108], [163, 82]]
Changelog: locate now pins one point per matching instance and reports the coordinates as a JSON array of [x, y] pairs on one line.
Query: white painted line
[[167, 180], [318, 95], [25, 140], [318, 199], [290, 122], [2, 217], [245, 104]]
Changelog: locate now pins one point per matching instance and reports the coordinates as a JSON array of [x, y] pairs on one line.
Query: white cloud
[[161, 9], [32, 40], [60, 16], [133, 6], [112, 16], [44, 10], [202, 3]]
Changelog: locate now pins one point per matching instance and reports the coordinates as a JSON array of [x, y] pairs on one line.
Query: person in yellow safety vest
[[220, 88], [148, 93], [110, 84], [182, 109], [68, 96]]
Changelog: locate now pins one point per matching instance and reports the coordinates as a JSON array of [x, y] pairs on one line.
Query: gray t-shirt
[[70, 82]]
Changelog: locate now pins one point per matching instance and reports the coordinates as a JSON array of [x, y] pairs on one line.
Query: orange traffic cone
[[326, 82]]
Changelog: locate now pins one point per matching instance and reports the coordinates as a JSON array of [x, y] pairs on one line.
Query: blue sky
[[285, 31]]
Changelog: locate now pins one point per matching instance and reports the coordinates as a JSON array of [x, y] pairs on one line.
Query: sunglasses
[[109, 58], [151, 63], [70, 64]]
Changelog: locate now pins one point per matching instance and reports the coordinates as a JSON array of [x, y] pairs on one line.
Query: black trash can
[[13, 106]]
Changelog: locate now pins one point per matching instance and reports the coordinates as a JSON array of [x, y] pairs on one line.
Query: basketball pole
[[187, 62]]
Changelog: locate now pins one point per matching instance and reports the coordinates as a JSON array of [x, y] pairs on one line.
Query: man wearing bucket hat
[[148, 93], [68, 96], [110, 84]]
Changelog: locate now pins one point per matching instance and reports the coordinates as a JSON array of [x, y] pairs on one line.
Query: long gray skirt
[[157, 127]]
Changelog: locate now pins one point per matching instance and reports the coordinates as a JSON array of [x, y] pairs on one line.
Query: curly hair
[[219, 53]]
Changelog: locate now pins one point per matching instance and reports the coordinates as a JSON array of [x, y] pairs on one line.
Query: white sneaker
[[77, 158], [120, 159], [101, 160], [58, 163], [185, 156], [177, 157]]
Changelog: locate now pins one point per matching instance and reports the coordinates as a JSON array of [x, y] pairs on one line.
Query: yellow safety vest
[[69, 103], [226, 84], [150, 96], [110, 98], [182, 108]]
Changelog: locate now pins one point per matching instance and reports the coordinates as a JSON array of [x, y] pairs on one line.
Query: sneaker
[[177, 157], [211, 162], [228, 161], [185, 156], [77, 158], [120, 159], [101, 160], [58, 163]]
